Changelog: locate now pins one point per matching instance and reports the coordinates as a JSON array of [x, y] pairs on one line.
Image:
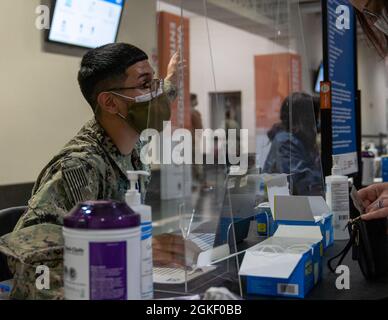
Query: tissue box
[[288, 264], [308, 211], [325, 223], [298, 210], [265, 223]]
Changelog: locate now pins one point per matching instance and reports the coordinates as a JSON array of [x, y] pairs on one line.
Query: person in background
[[230, 120], [294, 148], [196, 124], [232, 124], [373, 18], [196, 118], [93, 165]]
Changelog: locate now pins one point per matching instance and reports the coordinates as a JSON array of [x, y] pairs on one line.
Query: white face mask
[[382, 22], [142, 98], [148, 96]]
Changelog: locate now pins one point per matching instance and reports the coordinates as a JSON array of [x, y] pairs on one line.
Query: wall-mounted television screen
[[85, 23], [320, 77]]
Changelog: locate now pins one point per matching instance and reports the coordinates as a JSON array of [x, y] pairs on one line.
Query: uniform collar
[[123, 162]]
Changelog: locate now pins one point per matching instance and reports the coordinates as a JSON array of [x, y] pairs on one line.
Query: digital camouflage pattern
[[28, 248], [89, 167]]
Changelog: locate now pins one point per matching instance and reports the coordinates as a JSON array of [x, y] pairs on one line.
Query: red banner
[[276, 76], [172, 30]]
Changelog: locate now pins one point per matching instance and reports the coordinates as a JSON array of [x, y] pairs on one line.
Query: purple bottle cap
[[101, 215], [367, 154]]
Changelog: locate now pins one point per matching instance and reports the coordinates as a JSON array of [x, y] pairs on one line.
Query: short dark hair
[[106, 66]]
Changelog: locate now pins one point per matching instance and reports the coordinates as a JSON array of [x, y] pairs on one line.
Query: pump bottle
[[337, 198], [133, 200]]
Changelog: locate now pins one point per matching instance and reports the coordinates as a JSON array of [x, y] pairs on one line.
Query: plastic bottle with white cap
[[133, 199], [337, 198]]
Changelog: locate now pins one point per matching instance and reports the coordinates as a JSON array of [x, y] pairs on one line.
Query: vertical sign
[[342, 75], [276, 76], [173, 34]]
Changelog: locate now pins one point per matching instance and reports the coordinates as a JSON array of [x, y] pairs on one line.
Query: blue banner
[[342, 74]]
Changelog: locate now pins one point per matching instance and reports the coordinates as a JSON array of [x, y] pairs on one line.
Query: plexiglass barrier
[[232, 104]]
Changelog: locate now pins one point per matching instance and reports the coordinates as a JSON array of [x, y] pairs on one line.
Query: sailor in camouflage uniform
[[90, 167]]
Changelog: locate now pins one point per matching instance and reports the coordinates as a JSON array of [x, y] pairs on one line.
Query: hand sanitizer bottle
[[133, 199], [337, 198]]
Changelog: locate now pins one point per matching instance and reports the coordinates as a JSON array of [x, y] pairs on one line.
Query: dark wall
[[15, 195]]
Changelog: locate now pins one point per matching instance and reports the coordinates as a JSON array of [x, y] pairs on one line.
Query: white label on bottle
[[91, 273], [339, 195], [338, 200], [147, 287]]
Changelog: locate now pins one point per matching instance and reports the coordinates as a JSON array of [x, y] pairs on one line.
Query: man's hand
[[173, 68], [375, 200], [170, 250]]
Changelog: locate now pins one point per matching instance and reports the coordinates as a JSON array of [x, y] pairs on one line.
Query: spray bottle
[[133, 199], [337, 198]]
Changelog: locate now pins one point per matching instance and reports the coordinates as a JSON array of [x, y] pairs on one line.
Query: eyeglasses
[[153, 86]]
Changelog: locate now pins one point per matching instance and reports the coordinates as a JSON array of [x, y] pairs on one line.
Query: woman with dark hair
[[294, 145], [373, 18]]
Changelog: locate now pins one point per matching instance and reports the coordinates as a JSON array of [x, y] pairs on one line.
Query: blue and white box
[[289, 264], [264, 220], [384, 168], [298, 210], [305, 210]]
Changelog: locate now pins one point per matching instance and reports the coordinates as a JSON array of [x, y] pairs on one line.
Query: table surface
[[360, 288]]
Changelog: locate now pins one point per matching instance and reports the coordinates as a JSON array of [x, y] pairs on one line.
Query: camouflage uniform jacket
[[89, 167]]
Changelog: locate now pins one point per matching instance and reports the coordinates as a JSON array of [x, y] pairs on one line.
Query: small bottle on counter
[[337, 198], [133, 199]]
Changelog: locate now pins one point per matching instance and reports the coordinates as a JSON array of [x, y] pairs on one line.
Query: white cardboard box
[[287, 264]]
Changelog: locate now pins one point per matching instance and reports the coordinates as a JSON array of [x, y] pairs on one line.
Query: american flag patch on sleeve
[[76, 180]]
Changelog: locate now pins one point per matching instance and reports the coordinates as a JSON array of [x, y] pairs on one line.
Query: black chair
[[8, 219]]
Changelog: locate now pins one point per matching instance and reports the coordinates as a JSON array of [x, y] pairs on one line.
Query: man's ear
[[107, 102]]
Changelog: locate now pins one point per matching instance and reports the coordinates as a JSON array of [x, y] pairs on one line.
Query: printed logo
[[343, 280], [42, 281], [177, 147], [43, 19], [74, 250], [343, 19]]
